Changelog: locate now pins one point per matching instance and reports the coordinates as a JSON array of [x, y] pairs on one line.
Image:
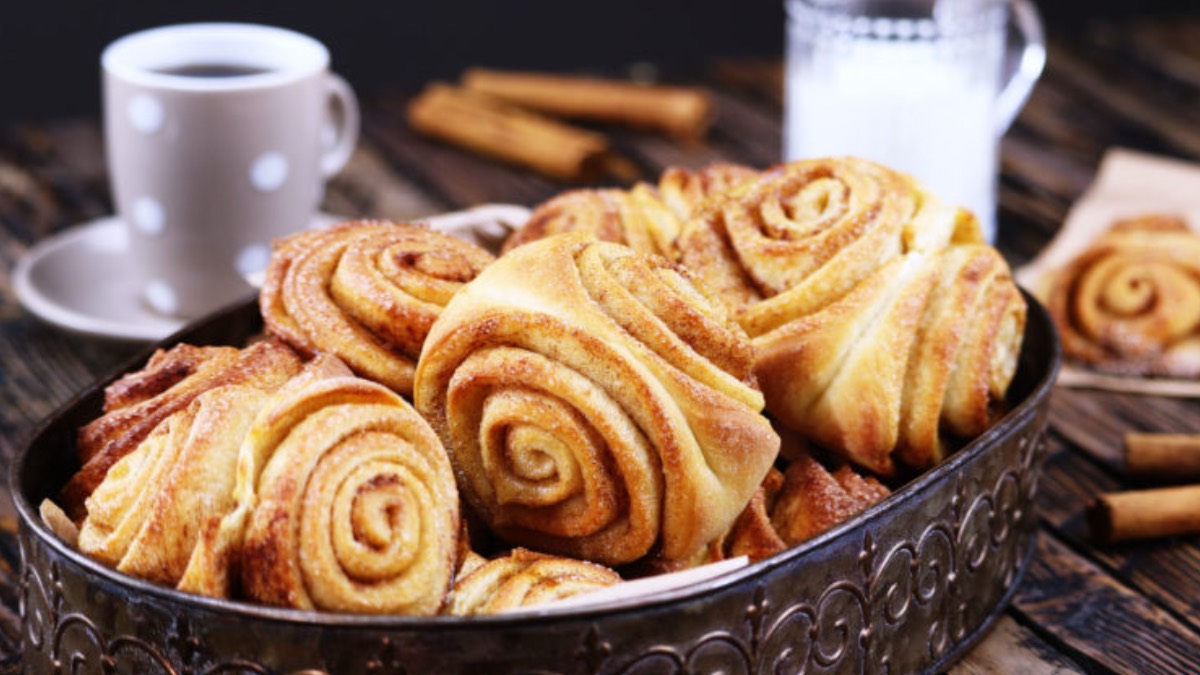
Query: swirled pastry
[[345, 501], [921, 350], [136, 403], [633, 218], [156, 503], [1130, 303], [366, 291], [525, 578], [646, 218], [805, 233], [683, 190], [595, 403], [850, 278]]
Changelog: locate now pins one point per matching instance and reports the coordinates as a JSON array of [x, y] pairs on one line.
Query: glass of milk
[[917, 85]]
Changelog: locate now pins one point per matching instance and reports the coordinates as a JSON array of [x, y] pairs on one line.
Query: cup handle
[[344, 107], [1028, 67]]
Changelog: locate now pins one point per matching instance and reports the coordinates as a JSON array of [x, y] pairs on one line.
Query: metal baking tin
[[907, 586]]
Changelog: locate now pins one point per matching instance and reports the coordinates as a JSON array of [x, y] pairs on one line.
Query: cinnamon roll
[[136, 403], [525, 578], [345, 502], [684, 190], [1130, 303], [752, 534], [805, 233], [850, 278], [154, 505], [366, 291], [647, 218], [634, 218], [596, 403], [914, 358]]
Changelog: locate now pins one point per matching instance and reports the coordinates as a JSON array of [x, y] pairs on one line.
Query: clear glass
[[916, 85]]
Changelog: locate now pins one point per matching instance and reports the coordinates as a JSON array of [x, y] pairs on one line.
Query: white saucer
[[76, 280]]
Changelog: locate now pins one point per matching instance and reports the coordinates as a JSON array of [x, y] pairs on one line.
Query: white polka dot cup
[[220, 139]]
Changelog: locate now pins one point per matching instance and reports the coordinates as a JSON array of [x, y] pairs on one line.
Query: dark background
[[49, 51]]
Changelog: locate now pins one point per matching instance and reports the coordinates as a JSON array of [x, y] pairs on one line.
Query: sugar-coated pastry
[[884, 327], [647, 218], [1130, 303], [345, 502], [596, 403], [524, 578], [804, 233], [136, 403], [752, 534], [365, 291], [918, 353], [157, 502], [812, 499]]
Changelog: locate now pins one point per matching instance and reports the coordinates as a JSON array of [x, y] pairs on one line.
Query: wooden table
[[1081, 608]]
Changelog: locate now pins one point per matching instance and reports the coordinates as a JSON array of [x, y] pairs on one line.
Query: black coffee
[[213, 70]]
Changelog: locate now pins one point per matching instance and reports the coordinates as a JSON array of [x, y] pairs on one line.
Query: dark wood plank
[[1098, 620], [1013, 648], [1168, 49], [1166, 572], [756, 77], [450, 175], [61, 179], [1135, 107], [368, 187], [655, 153], [1098, 421], [51, 178], [746, 130]]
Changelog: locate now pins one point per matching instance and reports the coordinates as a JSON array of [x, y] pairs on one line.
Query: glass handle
[[1028, 67]]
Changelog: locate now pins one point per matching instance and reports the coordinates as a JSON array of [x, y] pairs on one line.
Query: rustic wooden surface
[[1082, 608]]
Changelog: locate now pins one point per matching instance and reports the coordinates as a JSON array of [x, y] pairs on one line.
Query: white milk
[[924, 107]]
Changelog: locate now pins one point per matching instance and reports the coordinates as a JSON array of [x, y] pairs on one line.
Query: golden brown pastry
[[150, 511], [170, 381], [752, 534], [646, 218], [1130, 303], [596, 403], [683, 190], [215, 565], [524, 578], [345, 501], [882, 325], [806, 232], [917, 354], [635, 218], [365, 291], [812, 499]]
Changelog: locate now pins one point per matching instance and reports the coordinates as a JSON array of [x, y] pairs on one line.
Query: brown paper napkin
[[1128, 184]]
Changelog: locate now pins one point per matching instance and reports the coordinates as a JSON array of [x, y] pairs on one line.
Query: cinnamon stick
[[1172, 457], [682, 112], [491, 127], [1146, 514]]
